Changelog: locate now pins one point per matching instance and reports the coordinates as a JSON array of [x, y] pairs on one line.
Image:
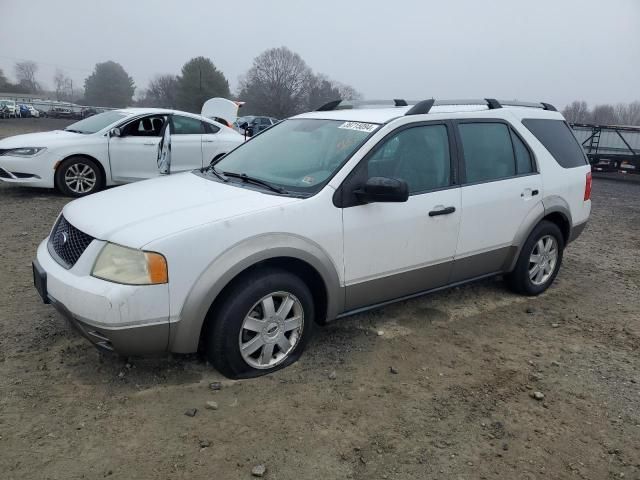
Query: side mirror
[[244, 125], [383, 189], [115, 132]]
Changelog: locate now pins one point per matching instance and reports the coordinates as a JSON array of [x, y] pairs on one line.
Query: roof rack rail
[[492, 103], [424, 106], [341, 104], [421, 108], [332, 105]]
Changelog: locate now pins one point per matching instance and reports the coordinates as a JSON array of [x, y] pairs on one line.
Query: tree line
[[279, 84], [604, 114]]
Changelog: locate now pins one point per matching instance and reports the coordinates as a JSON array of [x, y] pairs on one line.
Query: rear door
[[186, 143], [501, 190]]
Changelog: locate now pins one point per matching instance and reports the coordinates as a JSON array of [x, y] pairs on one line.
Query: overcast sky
[[549, 50]]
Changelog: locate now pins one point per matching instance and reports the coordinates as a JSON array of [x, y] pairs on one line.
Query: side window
[[150, 126], [418, 155], [186, 126], [210, 128], [488, 153], [524, 162], [558, 139]]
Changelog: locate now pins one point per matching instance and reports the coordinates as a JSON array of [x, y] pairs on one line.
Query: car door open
[[133, 149]]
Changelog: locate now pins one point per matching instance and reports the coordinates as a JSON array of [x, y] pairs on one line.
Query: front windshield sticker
[[359, 126]]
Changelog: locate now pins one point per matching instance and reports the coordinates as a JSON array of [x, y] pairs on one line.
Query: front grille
[[67, 243], [4, 173]]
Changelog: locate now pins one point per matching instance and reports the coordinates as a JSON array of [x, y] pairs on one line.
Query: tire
[[88, 175], [230, 326], [523, 279]]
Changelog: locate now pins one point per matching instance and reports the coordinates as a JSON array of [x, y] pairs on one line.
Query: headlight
[[24, 151], [130, 266]]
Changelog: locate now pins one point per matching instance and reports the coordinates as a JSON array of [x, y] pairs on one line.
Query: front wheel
[[263, 323], [539, 260], [78, 177]]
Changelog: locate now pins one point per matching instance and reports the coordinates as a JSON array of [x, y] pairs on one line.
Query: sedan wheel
[[80, 178]]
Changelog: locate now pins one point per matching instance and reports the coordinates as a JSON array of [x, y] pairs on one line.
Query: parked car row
[[12, 109]]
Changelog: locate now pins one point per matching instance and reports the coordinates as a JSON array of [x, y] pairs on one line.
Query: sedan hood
[[136, 214], [41, 139]]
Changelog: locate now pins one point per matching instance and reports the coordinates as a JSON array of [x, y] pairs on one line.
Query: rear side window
[[558, 139], [186, 125], [524, 163], [488, 152]]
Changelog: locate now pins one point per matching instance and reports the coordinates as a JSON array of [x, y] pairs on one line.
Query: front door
[[392, 250], [134, 154], [502, 191]]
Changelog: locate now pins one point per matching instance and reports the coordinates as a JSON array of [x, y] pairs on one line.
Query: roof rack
[[424, 106]]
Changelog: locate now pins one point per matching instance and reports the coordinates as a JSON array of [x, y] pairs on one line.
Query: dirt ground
[[459, 406]]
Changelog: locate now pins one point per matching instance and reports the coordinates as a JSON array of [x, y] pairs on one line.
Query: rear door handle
[[208, 141], [150, 144], [442, 211]]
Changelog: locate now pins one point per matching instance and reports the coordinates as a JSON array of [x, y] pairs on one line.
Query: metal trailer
[[610, 148]]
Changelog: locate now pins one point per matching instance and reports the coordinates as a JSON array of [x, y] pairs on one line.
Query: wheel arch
[[289, 252], [87, 157], [554, 209]]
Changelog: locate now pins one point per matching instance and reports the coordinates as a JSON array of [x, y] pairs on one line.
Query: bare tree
[[63, 86], [277, 84], [577, 112], [628, 114], [162, 91], [604, 114], [26, 75]]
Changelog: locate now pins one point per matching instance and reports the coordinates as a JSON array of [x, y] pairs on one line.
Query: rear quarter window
[[558, 139]]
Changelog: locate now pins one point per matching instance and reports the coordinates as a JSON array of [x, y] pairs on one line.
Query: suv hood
[[41, 139], [136, 214]]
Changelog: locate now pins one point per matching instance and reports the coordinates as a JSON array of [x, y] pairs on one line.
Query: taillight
[[587, 187]]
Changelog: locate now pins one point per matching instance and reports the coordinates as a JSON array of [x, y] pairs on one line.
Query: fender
[[550, 204], [184, 334]]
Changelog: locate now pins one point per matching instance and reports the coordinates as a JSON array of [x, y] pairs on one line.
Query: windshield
[[298, 155], [96, 123]]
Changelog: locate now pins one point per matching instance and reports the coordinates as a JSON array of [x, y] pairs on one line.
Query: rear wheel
[[79, 176], [539, 260], [262, 324]]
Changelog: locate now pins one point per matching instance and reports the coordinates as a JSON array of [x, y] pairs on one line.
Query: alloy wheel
[[543, 259], [80, 178], [271, 330]]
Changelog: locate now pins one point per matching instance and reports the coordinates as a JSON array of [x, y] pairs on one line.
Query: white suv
[[324, 215]]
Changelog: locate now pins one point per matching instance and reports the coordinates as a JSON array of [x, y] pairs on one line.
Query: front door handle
[[442, 211], [152, 144]]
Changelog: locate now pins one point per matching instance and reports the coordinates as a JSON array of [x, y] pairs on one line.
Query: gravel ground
[[460, 405]]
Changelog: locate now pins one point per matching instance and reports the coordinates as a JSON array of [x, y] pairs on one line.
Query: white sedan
[[113, 148]]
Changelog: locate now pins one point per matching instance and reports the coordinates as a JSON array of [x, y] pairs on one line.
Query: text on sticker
[[361, 127]]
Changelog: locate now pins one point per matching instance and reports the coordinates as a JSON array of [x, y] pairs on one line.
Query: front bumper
[[30, 171], [127, 319]]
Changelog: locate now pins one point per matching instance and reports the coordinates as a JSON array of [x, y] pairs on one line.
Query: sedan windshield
[[298, 155], [96, 123]]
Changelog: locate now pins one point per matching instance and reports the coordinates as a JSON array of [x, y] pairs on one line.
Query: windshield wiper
[[213, 170], [72, 130], [246, 178]]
